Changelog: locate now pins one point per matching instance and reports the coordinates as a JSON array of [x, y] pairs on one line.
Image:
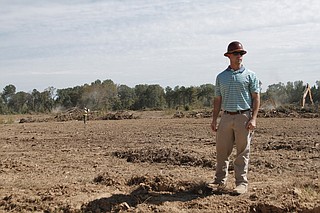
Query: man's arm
[[255, 104], [215, 112], [255, 109]]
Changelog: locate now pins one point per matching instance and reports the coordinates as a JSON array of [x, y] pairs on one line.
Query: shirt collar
[[242, 68]]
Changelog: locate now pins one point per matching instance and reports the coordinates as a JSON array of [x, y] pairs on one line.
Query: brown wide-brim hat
[[235, 46]]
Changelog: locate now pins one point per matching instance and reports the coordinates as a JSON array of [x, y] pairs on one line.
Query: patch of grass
[[6, 120], [307, 191], [311, 190], [170, 112]]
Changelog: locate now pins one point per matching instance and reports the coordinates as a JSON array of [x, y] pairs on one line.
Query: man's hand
[[215, 112], [251, 125], [214, 125]]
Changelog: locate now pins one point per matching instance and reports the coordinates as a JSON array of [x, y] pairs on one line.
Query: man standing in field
[[237, 95], [85, 115]]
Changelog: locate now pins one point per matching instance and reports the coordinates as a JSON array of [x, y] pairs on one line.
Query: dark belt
[[236, 112]]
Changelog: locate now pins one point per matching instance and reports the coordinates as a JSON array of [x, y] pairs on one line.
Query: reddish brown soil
[[154, 164]]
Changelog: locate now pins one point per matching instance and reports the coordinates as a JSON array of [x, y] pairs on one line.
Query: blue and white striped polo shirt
[[235, 88]]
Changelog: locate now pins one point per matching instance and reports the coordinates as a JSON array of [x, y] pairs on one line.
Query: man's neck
[[235, 66]]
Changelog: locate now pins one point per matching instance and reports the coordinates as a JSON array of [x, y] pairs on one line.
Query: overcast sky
[[67, 43]]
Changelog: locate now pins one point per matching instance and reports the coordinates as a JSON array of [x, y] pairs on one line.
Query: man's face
[[236, 57]]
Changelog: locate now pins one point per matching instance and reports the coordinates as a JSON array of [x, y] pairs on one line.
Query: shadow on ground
[[144, 194]]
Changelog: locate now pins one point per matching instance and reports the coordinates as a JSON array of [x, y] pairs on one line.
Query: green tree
[[140, 96], [35, 103], [8, 92], [191, 96], [100, 95], [179, 99], [155, 97], [110, 97], [169, 96], [290, 92], [46, 99], [277, 92], [18, 103], [3, 106], [92, 96], [69, 97], [315, 90], [126, 96], [298, 92], [206, 94]]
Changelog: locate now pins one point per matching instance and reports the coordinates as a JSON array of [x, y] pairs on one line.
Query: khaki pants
[[232, 131]]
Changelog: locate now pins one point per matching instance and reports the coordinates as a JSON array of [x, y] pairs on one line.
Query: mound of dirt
[[120, 115], [165, 155]]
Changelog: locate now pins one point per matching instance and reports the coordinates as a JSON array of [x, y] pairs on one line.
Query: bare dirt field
[[154, 164]]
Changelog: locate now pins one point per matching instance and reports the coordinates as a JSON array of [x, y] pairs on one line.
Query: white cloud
[[168, 42]]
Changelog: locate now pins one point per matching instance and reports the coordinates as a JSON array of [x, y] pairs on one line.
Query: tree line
[[106, 96]]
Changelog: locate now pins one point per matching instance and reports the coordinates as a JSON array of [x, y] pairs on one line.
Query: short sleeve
[[255, 84], [217, 88]]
